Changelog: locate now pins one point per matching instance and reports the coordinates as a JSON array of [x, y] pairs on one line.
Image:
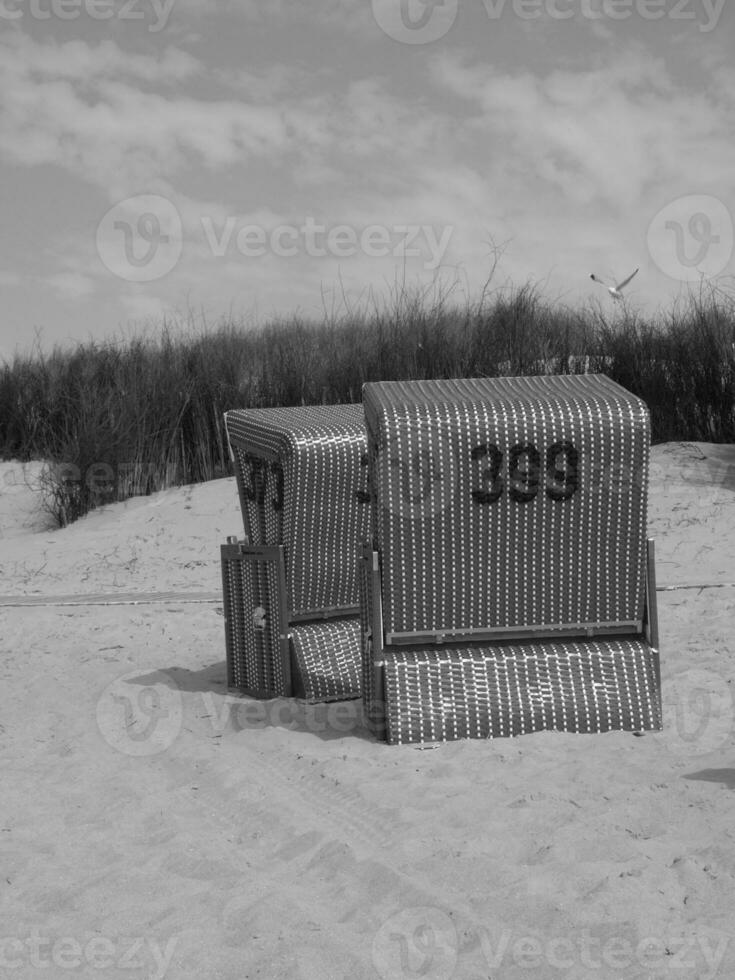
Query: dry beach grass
[[152, 825], [134, 414]]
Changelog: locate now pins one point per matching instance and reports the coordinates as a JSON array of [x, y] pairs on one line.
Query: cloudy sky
[[234, 157]]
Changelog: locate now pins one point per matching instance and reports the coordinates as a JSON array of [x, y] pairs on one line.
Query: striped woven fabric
[[508, 503], [504, 691], [266, 656], [326, 655], [258, 662], [302, 483], [508, 587]]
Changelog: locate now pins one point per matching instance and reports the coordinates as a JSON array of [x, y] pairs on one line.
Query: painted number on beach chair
[[524, 472]]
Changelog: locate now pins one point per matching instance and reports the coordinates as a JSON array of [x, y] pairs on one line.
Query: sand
[[153, 825]]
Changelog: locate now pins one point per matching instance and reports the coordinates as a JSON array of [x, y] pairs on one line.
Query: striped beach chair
[[290, 585], [508, 585]]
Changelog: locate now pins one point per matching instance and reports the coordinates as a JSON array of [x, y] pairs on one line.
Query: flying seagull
[[615, 291]]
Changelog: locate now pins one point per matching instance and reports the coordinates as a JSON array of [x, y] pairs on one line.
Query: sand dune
[[151, 825]]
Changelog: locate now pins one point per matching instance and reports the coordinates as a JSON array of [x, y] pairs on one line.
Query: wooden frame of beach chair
[[577, 648], [290, 587], [269, 654]]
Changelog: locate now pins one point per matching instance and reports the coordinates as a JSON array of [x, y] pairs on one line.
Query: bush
[[133, 415]]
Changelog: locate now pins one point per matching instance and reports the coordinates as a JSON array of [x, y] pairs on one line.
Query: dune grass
[[132, 415]]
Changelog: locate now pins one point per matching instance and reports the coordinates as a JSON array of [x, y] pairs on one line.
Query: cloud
[[92, 110], [72, 111], [273, 82], [8, 278], [336, 14], [604, 133], [25, 59], [70, 285], [145, 306], [567, 164]]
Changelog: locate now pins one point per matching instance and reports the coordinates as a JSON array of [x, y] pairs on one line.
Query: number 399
[[523, 478]]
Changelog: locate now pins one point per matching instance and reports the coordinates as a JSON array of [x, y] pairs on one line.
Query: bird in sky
[[615, 291]]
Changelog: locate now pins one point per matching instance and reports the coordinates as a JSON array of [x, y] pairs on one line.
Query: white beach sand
[[152, 825]]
